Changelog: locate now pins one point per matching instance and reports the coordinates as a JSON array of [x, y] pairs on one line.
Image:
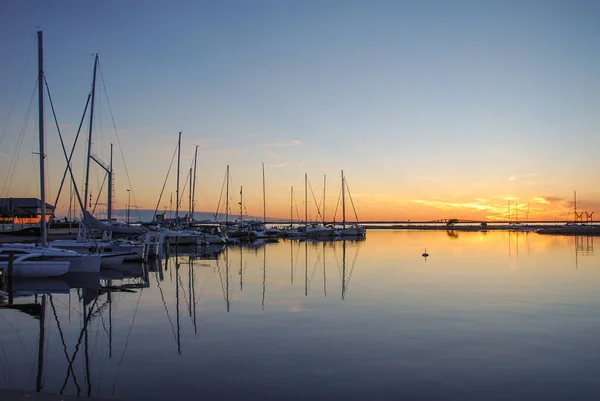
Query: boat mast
[[190, 198], [89, 148], [305, 200], [292, 207], [110, 179], [241, 204], [227, 199], [264, 196], [177, 190], [194, 188], [343, 201], [43, 230], [324, 182], [575, 204]]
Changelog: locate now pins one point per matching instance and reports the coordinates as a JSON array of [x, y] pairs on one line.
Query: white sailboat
[[36, 265], [348, 230], [314, 230], [43, 253], [109, 252]]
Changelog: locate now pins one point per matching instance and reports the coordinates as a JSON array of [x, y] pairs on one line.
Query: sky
[[433, 109]]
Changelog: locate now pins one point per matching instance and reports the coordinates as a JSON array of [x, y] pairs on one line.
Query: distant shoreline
[[550, 229]]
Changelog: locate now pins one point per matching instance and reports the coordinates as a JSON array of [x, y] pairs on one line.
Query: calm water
[[488, 316]]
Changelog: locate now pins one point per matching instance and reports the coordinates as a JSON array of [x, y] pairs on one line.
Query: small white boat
[[348, 229], [355, 230], [210, 234], [79, 263], [178, 237], [130, 250], [319, 231], [34, 265], [520, 227]]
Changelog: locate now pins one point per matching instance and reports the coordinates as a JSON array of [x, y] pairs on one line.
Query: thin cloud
[[541, 200], [292, 142], [520, 177], [553, 198]]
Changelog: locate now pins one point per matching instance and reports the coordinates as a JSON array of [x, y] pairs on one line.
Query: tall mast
[[241, 204], [305, 199], [227, 199], [324, 182], [43, 230], [575, 204], [264, 196], [343, 201], [89, 148], [110, 181], [177, 190], [190, 198], [194, 189], [291, 206]]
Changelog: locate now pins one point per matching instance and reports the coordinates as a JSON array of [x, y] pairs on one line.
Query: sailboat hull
[[85, 264], [35, 268], [127, 251], [79, 262]]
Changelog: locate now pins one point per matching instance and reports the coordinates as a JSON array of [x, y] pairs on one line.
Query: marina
[[299, 201]]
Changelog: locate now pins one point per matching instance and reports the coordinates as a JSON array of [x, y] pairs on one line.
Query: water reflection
[[303, 309], [584, 246], [55, 302]]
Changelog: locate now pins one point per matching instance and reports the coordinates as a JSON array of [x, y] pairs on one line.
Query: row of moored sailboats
[[88, 253]]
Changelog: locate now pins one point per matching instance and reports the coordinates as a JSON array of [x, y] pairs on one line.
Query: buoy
[[425, 254]]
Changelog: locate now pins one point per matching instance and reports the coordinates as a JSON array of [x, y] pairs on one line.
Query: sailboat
[[31, 255], [355, 229], [175, 234], [111, 252], [31, 264], [313, 230], [517, 225]]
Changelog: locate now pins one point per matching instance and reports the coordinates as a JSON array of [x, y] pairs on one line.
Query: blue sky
[[432, 108]]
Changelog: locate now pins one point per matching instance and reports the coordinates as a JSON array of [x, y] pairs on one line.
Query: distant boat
[[316, 230], [355, 229], [210, 234], [520, 227]]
